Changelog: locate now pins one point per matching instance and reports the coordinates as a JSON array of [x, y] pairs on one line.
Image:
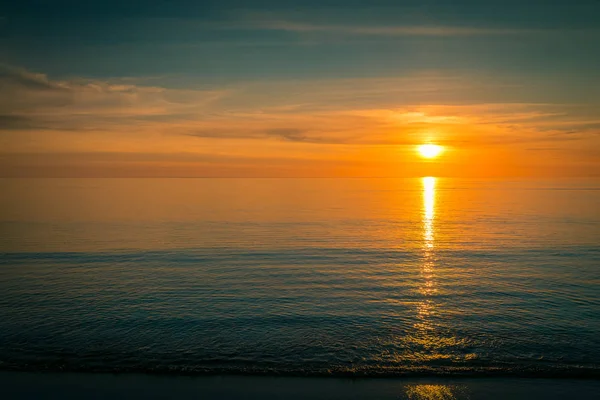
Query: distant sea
[[341, 277]]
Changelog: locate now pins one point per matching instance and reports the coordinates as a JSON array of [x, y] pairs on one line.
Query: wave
[[314, 254], [523, 371]]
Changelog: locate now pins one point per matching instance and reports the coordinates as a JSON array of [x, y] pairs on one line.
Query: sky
[[242, 88]]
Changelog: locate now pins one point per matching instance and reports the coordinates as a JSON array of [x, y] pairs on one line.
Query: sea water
[[361, 277]]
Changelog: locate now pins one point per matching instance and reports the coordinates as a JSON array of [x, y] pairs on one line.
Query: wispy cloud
[[33, 101], [386, 30]]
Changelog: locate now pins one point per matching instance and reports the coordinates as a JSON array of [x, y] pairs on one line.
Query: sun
[[430, 150]]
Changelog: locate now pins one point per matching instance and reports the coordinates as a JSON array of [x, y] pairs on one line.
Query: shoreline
[[49, 385]]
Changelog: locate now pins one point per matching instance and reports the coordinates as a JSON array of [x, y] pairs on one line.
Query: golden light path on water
[[428, 217], [433, 392], [426, 308], [428, 210]]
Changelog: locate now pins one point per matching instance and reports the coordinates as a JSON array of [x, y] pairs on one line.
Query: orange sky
[[313, 128], [290, 89]]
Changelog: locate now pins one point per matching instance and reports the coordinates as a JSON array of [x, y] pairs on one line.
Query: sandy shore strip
[[29, 385]]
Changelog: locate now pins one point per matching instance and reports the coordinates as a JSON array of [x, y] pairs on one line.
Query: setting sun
[[430, 150]]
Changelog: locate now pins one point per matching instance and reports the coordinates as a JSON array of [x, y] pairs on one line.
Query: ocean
[[311, 277]]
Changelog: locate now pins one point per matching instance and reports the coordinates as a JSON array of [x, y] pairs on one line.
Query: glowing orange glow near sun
[[430, 150]]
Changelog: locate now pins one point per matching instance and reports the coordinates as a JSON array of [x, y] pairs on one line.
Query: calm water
[[304, 276]]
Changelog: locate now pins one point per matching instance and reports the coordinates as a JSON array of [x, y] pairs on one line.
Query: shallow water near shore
[[323, 277]]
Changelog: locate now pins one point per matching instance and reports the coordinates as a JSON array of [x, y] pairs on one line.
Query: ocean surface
[[359, 277]]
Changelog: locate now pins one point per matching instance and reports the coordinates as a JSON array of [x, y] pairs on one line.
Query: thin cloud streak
[[402, 30]]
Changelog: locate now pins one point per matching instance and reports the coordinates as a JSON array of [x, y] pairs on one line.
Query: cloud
[[314, 136], [389, 30], [291, 134], [20, 77], [17, 122], [32, 100]]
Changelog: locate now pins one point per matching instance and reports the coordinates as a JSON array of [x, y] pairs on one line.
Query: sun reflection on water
[[429, 341], [428, 287], [426, 308], [432, 392], [428, 210]]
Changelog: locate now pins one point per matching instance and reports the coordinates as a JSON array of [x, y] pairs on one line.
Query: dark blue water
[[313, 277]]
